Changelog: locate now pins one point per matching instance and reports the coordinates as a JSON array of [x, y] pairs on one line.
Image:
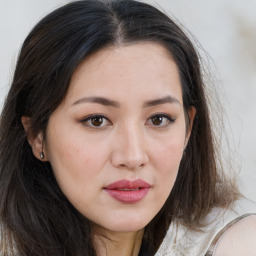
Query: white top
[[180, 241]]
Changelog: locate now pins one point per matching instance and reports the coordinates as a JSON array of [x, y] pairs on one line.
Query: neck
[[118, 243]]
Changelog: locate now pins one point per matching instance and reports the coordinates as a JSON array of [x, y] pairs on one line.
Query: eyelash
[[169, 121], [87, 121]]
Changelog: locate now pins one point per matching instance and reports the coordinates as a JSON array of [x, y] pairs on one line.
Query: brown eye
[[161, 120], [97, 121], [157, 120]]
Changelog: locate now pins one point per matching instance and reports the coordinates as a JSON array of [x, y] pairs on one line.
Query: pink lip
[[128, 191]]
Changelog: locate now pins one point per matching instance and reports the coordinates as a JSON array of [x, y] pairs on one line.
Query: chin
[[128, 225]]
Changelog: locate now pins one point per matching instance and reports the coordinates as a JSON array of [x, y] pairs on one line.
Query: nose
[[129, 149]]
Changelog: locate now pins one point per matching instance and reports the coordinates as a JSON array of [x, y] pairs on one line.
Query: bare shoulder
[[239, 239]]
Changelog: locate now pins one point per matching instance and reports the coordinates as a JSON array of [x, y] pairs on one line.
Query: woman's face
[[116, 141]]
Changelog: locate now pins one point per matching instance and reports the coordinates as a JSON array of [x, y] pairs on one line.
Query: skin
[[127, 144], [138, 138], [239, 239]]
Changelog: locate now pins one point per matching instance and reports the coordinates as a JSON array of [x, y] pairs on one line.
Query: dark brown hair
[[34, 213]]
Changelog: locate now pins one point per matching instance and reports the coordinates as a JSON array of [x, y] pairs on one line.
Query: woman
[[106, 142]]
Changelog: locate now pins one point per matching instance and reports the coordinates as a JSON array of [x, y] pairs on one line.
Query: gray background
[[226, 31]]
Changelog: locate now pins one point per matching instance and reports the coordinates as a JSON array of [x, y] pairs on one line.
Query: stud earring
[[42, 155]]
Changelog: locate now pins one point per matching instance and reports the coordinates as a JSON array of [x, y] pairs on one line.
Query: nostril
[[123, 161], [129, 153]]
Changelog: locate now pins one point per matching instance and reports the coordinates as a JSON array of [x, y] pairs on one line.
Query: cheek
[[169, 166], [167, 157], [76, 158], [77, 167], [172, 155], [76, 162], [167, 153]]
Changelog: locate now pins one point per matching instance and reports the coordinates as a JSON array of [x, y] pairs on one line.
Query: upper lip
[[128, 184]]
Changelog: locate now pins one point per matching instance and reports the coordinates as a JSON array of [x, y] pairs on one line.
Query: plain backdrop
[[225, 33]]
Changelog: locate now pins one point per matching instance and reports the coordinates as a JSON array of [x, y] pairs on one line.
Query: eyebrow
[[112, 103], [98, 100], [167, 99]]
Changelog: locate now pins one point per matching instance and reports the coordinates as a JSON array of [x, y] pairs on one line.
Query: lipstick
[[128, 191]]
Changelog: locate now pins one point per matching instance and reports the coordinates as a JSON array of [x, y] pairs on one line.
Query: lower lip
[[128, 196]]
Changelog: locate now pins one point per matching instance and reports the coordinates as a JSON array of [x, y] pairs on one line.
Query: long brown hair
[[36, 217]]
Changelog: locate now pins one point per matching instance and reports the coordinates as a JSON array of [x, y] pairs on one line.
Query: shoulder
[[239, 239], [221, 228]]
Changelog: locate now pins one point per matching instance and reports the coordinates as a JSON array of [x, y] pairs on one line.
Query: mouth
[[128, 191]]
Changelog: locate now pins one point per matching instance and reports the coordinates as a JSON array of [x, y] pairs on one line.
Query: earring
[[42, 155]]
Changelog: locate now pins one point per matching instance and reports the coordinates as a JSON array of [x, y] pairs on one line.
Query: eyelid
[[91, 116], [165, 115], [168, 116], [87, 118]]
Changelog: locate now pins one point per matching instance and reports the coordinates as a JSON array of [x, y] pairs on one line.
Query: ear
[[36, 142], [191, 117]]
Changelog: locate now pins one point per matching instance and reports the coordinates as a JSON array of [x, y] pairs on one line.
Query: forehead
[[129, 69]]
